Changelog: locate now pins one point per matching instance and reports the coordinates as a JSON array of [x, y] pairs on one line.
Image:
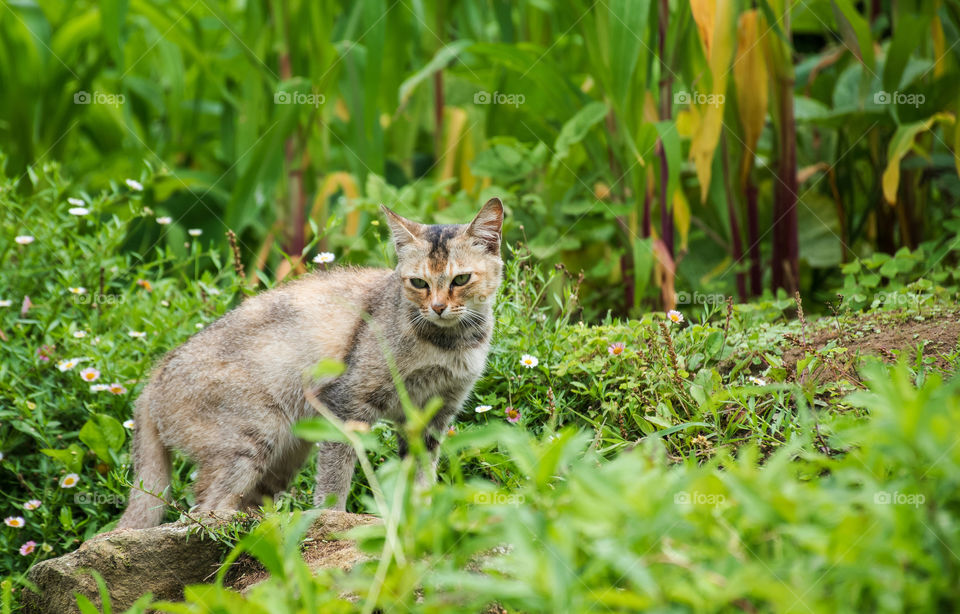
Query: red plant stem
[[736, 242], [753, 238]]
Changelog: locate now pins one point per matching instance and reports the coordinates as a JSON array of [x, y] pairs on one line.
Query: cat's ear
[[405, 232], [487, 225]]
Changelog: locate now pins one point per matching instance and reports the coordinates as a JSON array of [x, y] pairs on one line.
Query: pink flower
[[615, 349], [28, 548], [513, 415]]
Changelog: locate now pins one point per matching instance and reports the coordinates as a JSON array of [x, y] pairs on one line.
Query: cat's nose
[[439, 307]]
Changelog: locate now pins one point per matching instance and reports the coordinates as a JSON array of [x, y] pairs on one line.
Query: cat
[[228, 396]]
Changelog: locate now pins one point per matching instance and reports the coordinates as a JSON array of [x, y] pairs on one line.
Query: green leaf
[[318, 429], [576, 128], [103, 433], [440, 59], [71, 458]]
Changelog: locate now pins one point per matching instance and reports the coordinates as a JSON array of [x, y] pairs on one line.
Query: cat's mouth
[[442, 321]]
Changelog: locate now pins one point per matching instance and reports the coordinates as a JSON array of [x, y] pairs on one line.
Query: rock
[[163, 560]]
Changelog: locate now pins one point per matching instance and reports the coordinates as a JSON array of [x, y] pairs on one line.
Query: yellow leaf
[[705, 141], [939, 46], [751, 78], [688, 122], [650, 114], [704, 13], [681, 217], [901, 143]]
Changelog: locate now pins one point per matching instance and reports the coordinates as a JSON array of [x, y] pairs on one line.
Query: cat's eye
[[418, 283], [459, 280]]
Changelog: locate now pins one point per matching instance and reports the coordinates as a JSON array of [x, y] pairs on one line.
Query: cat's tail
[[151, 480]]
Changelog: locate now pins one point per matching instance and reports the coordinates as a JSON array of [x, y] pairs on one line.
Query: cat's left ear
[[488, 224]]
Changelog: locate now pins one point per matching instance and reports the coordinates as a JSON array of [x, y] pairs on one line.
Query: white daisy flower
[[116, 388], [24, 239], [324, 258], [137, 334], [66, 365], [6, 303], [128, 424], [165, 303], [483, 408], [529, 361], [99, 388], [32, 504], [675, 316], [199, 324], [79, 334], [758, 381], [16, 522], [164, 220], [90, 374], [70, 480], [135, 185], [77, 290], [195, 232], [76, 202], [78, 211]]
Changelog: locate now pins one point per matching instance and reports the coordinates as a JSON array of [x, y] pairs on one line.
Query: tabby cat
[[228, 397]]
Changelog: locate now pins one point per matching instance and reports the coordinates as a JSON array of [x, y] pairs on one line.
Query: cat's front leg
[[336, 462]]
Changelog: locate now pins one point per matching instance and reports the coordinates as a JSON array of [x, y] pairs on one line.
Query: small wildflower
[[44, 351], [165, 303], [6, 302], [24, 239], [99, 388], [615, 349], [451, 431], [483, 408], [28, 548], [195, 232], [128, 424], [90, 374], [529, 361], [116, 388], [16, 522], [700, 441], [76, 202], [198, 325], [143, 283], [675, 316], [164, 220], [135, 185], [79, 334], [324, 258], [513, 415], [31, 405], [78, 211], [32, 504], [758, 381], [77, 290], [137, 334], [70, 480], [66, 365]]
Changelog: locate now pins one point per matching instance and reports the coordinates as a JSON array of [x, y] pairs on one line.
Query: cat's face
[[450, 273]]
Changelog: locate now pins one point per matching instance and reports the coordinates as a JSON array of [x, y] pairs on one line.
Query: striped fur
[[228, 396]]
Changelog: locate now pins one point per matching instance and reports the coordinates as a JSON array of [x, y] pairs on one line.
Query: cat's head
[[450, 273]]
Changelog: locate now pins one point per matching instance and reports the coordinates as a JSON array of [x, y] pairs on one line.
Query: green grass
[[700, 469]]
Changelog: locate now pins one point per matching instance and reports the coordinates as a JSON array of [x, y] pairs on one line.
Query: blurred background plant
[[661, 146]]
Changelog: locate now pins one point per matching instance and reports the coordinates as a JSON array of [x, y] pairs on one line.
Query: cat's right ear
[[405, 232]]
